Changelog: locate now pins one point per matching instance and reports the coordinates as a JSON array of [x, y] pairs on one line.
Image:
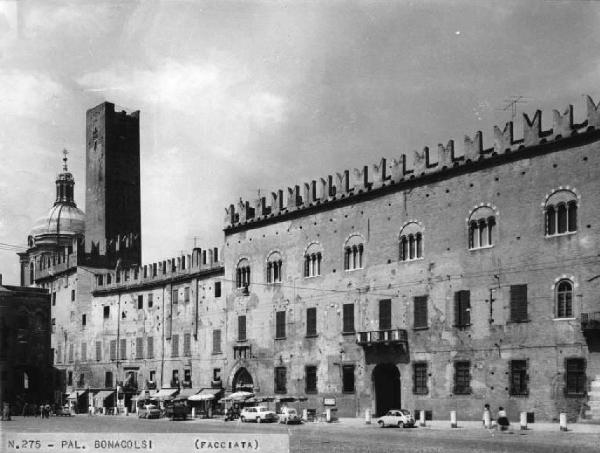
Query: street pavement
[[346, 435]]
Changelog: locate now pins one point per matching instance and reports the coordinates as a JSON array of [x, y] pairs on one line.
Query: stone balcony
[[377, 338]]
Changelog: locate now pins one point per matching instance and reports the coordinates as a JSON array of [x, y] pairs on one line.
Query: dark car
[[176, 409]]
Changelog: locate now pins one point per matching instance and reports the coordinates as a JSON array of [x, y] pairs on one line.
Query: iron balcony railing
[[590, 320], [375, 337]]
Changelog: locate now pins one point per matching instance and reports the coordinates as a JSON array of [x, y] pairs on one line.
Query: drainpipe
[[162, 349]]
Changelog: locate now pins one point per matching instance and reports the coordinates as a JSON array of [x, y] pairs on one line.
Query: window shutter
[[123, 352], [457, 311], [241, 328], [311, 321], [139, 348], [420, 313], [150, 347], [187, 344], [175, 346], [348, 318], [385, 314], [518, 303], [280, 324], [98, 350]]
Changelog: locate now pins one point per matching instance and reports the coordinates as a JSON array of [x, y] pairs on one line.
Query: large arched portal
[[242, 381], [386, 384]]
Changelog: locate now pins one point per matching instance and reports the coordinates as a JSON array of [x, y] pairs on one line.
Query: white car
[[397, 417], [257, 414], [289, 415]]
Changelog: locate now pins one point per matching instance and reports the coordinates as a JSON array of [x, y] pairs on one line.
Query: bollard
[[126, 411], [368, 416], [422, 418], [103, 411], [563, 421], [523, 421], [453, 423], [487, 420], [305, 415], [328, 415]]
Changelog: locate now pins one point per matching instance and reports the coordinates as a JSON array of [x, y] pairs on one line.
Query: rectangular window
[[175, 346], [242, 328], [217, 289], [70, 378], [348, 378], [187, 344], [462, 309], [310, 379], [140, 301], [420, 378], [217, 341], [420, 313], [150, 346], [187, 376], [84, 352], [186, 294], [83, 320], [139, 348], [518, 303], [71, 352], [385, 314], [348, 323], [106, 312], [53, 323], [311, 322], [113, 349], [59, 357], [575, 377], [150, 300], [98, 351], [280, 379], [518, 377], [123, 349], [175, 296], [462, 378], [280, 324], [72, 295], [108, 379], [54, 298]]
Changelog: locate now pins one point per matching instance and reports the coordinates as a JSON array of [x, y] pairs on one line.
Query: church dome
[[62, 220], [65, 220]]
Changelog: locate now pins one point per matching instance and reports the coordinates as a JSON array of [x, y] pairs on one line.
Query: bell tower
[[112, 198]]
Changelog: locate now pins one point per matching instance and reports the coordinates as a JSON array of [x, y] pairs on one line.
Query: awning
[[76, 394], [205, 395], [165, 393], [186, 393], [103, 394], [237, 396]]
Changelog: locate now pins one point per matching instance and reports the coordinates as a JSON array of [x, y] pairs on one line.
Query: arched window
[[353, 253], [312, 260], [274, 267], [482, 228], [561, 213], [564, 299], [411, 242], [242, 274]]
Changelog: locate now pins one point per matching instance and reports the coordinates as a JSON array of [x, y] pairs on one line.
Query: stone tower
[[112, 197]]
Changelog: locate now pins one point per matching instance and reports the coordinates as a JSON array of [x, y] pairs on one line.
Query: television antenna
[[511, 104]]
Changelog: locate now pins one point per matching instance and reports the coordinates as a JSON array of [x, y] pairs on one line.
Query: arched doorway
[[242, 381], [386, 384]]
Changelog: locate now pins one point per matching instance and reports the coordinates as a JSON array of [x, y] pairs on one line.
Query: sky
[[241, 96]]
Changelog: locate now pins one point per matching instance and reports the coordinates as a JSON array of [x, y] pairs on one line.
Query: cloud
[[27, 94], [201, 89]]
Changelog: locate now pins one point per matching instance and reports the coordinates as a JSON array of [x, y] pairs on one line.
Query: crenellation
[[503, 139], [473, 147], [343, 183], [562, 124], [593, 113], [424, 162]]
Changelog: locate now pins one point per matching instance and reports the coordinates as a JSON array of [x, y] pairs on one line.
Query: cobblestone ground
[[329, 438]]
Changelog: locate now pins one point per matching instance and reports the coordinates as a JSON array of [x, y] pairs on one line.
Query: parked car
[[147, 409], [176, 409], [258, 414], [63, 411], [397, 417], [289, 415]]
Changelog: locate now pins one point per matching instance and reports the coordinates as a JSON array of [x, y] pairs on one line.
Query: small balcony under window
[[377, 338]]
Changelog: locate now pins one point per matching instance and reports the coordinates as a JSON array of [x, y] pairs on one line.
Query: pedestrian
[[90, 410], [503, 422], [487, 416]]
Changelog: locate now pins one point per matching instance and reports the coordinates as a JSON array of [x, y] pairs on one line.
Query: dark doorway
[[386, 384], [242, 381]]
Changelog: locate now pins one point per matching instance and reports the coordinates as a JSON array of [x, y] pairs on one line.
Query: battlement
[[382, 176], [199, 260], [123, 249]]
